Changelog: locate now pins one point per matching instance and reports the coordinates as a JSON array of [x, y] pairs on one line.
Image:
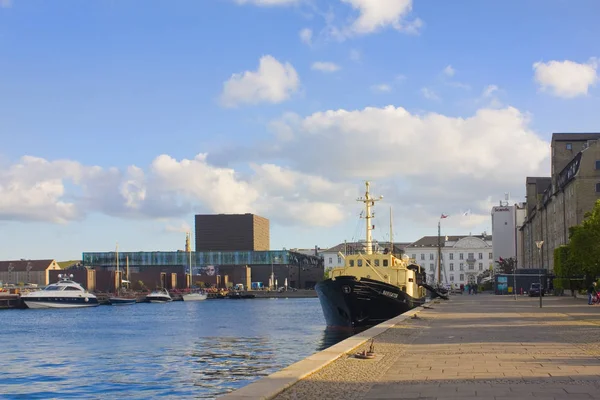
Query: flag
[[467, 213], [443, 216]]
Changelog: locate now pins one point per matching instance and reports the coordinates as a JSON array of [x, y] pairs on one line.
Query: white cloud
[[376, 15], [306, 35], [449, 71], [566, 79], [489, 90], [381, 88], [430, 94], [431, 161], [268, 3], [273, 82], [325, 66]]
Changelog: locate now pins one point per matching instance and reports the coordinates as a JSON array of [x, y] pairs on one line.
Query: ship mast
[[369, 202]]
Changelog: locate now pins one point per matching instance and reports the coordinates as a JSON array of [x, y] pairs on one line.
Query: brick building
[[556, 203], [232, 232]]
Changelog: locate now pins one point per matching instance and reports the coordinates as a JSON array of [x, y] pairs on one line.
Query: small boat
[[373, 286], [159, 296], [64, 294], [122, 298], [196, 296]]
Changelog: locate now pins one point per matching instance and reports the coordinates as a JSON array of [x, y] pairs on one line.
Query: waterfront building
[[219, 268], [463, 257], [232, 232], [556, 203], [506, 220], [37, 272]]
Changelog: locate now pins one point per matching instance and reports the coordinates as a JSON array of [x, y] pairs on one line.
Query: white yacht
[[159, 296], [64, 294], [194, 296]]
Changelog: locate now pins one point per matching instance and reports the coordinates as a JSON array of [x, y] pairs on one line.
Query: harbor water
[[173, 350]]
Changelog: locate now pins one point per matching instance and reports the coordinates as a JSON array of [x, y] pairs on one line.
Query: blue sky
[[90, 89]]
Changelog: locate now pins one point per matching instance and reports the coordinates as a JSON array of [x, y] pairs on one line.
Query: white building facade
[[463, 258], [506, 221]]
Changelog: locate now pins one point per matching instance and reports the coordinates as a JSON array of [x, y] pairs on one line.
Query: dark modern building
[[232, 232]]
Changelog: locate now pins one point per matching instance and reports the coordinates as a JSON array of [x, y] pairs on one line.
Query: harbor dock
[[481, 346]]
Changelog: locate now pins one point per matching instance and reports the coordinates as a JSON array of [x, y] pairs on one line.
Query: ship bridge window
[[71, 288], [359, 263], [385, 263], [352, 263], [377, 262]]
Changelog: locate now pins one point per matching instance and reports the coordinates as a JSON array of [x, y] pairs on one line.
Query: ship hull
[[349, 302]]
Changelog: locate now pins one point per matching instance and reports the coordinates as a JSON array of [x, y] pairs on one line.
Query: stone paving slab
[[473, 347]]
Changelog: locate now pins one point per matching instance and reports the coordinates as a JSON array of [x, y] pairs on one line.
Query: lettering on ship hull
[[390, 294]]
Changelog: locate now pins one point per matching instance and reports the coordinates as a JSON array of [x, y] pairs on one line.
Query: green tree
[[505, 265], [584, 245]]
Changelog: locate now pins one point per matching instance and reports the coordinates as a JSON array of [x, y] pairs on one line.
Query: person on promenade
[[591, 293]]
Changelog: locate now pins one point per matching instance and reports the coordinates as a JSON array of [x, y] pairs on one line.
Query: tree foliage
[[505, 265], [582, 255]]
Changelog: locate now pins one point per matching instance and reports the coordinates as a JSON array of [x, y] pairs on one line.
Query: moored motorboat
[[64, 294], [159, 296], [195, 296], [374, 284]]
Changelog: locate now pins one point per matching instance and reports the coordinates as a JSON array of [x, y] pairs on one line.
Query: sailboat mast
[[190, 257], [118, 277], [127, 268], [391, 233], [369, 202], [439, 254]]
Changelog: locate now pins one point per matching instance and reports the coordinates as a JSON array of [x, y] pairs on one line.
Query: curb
[[270, 386]]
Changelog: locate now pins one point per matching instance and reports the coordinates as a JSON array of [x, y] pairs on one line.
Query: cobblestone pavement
[[480, 347]]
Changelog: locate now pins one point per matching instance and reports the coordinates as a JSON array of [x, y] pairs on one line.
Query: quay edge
[[272, 385]]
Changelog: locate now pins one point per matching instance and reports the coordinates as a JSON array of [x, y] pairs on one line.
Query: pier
[[480, 347]]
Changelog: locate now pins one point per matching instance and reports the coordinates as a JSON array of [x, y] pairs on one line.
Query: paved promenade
[[480, 347]]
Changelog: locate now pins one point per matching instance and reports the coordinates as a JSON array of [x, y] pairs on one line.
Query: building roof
[[432, 241], [21, 265], [541, 182], [574, 137]]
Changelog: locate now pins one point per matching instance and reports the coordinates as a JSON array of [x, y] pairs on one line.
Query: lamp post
[[539, 245], [515, 278]]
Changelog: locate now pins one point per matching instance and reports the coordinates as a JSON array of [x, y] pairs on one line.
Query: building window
[[481, 266], [597, 187], [330, 260], [471, 256], [377, 262], [471, 266], [385, 263], [413, 256], [452, 256], [461, 256], [451, 278], [359, 263], [431, 267], [339, 260], [451, 266], [422, 256], [461, 266], [569, 146], [352, 263], [597, 164], [462, 277], [481, 256], [490, 256]]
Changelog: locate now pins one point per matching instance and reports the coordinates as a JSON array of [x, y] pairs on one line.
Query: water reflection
[[332, 336]]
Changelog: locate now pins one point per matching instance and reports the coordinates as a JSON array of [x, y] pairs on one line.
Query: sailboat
[[373, 285], [120, 298], [191, 296]]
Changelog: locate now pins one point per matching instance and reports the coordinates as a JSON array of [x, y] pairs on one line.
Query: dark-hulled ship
[[373, 285]]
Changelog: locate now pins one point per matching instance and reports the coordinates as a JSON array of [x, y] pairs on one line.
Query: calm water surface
[[174, 350]]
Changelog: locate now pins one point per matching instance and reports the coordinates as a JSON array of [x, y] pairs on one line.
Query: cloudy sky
[[121, 119]]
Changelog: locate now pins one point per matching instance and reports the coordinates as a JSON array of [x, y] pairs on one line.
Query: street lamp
[[539, 245]]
